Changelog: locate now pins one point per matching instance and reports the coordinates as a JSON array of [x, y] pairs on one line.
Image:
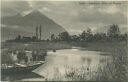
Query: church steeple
[[37, 32], [40, 30]]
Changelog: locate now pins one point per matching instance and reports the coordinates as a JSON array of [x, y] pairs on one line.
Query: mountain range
[[26, 25]]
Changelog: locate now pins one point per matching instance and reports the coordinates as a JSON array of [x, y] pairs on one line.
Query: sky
[[74, 16]]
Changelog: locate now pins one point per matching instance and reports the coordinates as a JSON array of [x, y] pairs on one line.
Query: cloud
[[13, 7], [103, 14], [98, 17], [72, 14], [74, 31], [110, 9]]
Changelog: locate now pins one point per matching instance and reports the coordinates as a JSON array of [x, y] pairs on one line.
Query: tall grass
[[115, 69]]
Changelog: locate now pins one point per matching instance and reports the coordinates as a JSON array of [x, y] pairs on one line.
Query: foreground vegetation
[[113, 70]]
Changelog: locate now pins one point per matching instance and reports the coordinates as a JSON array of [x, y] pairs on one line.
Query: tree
[[89, 35], [52, 37], [64, 36], [83, 36], [75, 38], [123, 37], [89, 31], [113, 31], [86, 35], [99, 37]]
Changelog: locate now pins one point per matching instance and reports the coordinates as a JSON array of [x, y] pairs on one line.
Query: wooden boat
[[19, 68], [27, 62]]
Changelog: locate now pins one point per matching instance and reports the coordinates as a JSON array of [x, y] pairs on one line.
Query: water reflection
[[57, 63], [16, 77]]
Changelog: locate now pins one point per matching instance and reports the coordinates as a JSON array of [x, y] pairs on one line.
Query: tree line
[[113, 34]]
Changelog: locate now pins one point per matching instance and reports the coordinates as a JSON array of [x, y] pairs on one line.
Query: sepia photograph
[[47, 40]]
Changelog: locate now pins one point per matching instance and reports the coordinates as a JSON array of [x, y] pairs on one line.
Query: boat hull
[[19, 70]]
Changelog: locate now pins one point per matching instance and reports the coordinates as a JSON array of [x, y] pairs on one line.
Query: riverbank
[[102, 46], [36, 45], [93, 46]]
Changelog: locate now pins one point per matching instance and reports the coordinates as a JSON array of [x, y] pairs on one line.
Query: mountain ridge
[[30, 21]]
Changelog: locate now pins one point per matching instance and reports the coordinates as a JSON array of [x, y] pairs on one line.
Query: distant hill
[[26, 25]]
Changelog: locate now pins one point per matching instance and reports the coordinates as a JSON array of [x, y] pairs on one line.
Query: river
[[60, 63], [66, 64]]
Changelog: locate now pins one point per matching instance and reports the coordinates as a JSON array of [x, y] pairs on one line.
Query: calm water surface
[[57, 63], [61, 60]]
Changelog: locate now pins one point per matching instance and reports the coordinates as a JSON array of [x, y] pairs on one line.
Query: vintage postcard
[[64, 41]]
